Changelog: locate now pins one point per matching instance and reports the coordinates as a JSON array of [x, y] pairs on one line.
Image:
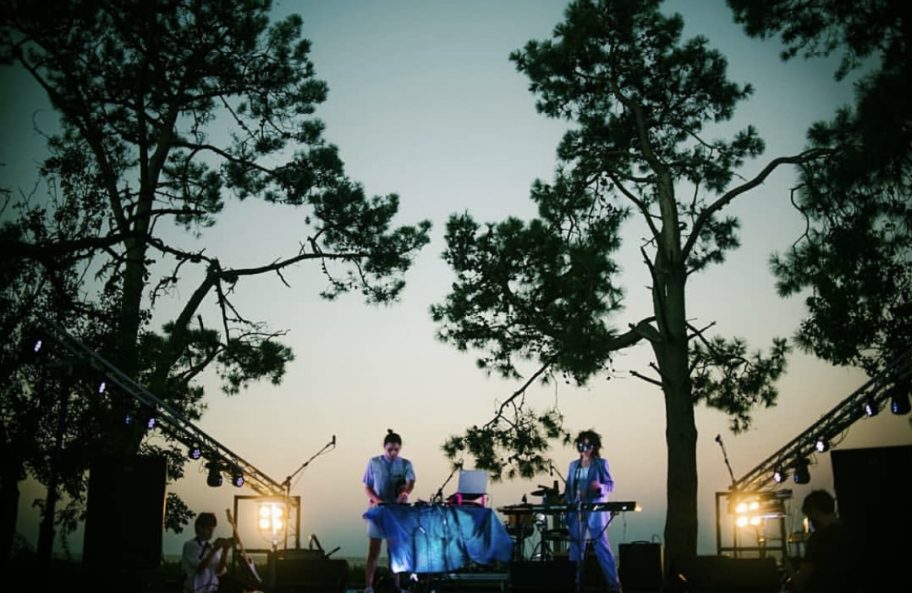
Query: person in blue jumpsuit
[[589, 481], [388, 479]]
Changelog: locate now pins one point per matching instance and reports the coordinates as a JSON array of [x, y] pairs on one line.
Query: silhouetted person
[[829, 564], [203, 561], [388, 479]]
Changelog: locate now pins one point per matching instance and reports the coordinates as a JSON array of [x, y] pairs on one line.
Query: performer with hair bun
[[388, 479]]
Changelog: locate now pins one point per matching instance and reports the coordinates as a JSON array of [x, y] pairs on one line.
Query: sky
[[423, 102]]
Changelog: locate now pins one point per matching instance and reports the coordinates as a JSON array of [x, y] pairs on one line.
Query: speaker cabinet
[[721, 574], [125, 514], [872, 500], [306, 571], [640, 566], [541, 576]]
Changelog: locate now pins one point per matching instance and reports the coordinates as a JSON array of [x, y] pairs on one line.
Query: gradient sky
[[424, 102]]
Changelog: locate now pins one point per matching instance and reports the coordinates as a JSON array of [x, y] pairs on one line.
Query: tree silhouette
[[854, 256], [642, 102], [167, 110]]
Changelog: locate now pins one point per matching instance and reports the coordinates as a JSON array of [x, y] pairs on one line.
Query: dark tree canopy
[[855, 254], [168, 109]]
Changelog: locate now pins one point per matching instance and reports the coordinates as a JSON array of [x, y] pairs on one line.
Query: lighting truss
[[168, 420], [878, 389]]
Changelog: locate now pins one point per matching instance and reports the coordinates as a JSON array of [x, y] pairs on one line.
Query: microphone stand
[[439, 496], [553, 469], [287, 483], [725, 457]]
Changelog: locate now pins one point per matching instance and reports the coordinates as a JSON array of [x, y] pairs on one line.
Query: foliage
[[167, 110], [854, 255]]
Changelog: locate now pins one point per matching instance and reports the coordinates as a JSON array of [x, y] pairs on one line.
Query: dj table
[[441, 538]]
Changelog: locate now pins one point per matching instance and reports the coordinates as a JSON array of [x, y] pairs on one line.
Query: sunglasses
[[584, 447]]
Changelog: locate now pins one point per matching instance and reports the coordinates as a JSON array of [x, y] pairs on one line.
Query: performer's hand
[[595, 485], [403, 497]]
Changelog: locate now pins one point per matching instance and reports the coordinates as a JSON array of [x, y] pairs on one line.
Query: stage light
[[150, 423], [802, 475], [34, 343], [899, 401], [779, 474], [870, 406], [822, 445], [214, 478], [237, 478], [102, 387], [271, 517], [128, 419], [194, 451]]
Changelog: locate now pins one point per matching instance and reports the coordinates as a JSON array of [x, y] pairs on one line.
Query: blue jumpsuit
[[595, 523]]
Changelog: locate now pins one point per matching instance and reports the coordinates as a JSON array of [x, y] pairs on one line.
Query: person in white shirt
[[203, 561]]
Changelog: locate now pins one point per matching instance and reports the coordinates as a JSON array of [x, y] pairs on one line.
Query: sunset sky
[[423, 102]]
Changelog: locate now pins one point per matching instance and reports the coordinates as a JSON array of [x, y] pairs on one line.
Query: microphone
[[333, 443], [550, 468], [719, 438]]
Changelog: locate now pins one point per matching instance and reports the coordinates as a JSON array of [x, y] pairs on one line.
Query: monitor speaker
[[540, 576], [640, 566], [300, 571], [125, 513]]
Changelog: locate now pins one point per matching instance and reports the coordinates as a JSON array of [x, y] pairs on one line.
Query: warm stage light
[[741, 521], [271, 518]]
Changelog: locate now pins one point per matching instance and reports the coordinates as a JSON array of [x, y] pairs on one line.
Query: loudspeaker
[[124, 514], [545, 575], [872, 502], [722, 574], [640, 566], [307, 571]]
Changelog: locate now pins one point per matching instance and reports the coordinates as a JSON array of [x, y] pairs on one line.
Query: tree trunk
[[680, 425], [11, 471]]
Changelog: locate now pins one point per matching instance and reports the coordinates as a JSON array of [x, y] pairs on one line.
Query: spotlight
[[128, 419], [899, 401], [102, 387], [237, 478], [214, 478], [150, 423], [802, 475], [779, 474], [822, 445], [34, 342], [195, 451], [870, 406]]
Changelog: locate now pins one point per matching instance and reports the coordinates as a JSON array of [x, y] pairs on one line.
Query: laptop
[[473, 482]]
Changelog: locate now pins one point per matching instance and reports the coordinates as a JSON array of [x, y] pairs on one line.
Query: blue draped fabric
[[439, 538]]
